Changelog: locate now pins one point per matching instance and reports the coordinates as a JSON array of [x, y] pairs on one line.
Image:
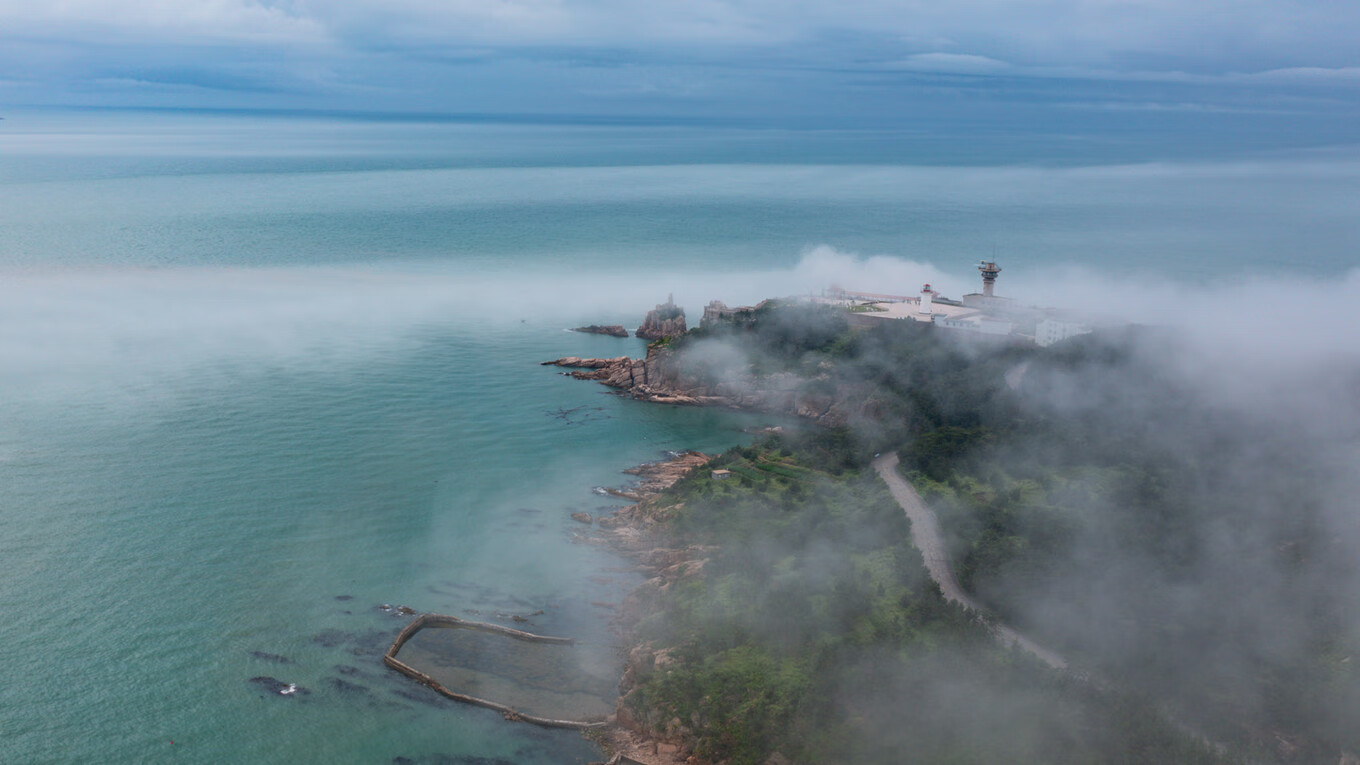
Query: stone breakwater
[[425, 621]]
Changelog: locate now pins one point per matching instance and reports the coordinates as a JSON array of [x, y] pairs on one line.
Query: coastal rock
[[582, 518], [620, 372], [666, 320], [664, 377], [577, 362], [613, 330]]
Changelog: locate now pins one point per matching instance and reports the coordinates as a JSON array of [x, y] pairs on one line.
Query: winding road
[[925, 534]]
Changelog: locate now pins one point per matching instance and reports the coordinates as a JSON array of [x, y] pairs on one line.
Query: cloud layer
[[409, 53]]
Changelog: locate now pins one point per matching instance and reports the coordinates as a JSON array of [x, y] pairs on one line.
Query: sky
[[992, 63]]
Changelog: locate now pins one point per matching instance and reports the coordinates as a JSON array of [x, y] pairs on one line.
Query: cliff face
[[666, 320], [664, 377]]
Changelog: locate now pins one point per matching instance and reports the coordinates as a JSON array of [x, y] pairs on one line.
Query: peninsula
[[883, 580]]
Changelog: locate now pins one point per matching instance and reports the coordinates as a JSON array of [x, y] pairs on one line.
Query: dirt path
[[925, 534]]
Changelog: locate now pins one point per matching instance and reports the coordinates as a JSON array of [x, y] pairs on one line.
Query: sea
[[265, 377]]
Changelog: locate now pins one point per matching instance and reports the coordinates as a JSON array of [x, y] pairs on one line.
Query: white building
[[976, 323], [1050, 331]]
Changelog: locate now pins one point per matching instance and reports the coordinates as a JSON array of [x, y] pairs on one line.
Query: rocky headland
[[653, 378], [637, 532], [664, 377]]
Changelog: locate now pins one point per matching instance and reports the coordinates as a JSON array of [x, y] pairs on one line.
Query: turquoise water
[[152, 550], [253, 366]]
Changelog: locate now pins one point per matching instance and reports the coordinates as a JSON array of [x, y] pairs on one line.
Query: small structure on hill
[[987, 300], [718, 313], [666, 320], [979, 314], [927, 297]]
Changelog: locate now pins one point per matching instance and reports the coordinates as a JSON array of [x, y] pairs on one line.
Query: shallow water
[[168, 538], [555, 681]]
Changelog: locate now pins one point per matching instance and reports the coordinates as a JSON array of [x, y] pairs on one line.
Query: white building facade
[[1050, 331]]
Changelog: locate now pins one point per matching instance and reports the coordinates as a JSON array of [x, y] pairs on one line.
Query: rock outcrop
[[662, 377], [652, 379], [613, 330], [717, 313], [637, 532], [666, 320], [684, 372]]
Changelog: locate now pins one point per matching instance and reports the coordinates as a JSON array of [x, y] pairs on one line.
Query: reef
[[613, 330]]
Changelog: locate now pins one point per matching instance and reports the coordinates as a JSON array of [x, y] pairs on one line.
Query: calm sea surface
[[260, 375]]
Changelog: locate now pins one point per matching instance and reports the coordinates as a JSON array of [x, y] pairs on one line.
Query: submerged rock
[[279, 687], [329, 638], [346, 687], [276, 658]]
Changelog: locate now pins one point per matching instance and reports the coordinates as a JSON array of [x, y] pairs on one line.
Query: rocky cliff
[[666, 377], [666, 320], [651, 379]]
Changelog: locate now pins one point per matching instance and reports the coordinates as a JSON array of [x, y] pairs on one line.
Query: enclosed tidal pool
[[553, 681]]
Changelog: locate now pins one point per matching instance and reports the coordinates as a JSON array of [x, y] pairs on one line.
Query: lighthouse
[[989, 271], [927, 294]]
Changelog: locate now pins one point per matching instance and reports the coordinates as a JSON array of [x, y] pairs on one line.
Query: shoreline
[[630, 532]]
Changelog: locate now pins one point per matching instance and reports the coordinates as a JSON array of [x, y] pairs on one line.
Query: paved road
[[925, 534]]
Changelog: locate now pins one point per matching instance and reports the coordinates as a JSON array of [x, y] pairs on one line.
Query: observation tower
[[989, 270]]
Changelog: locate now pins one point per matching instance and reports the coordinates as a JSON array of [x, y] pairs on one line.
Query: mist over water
[[248, 368], [182, 507]]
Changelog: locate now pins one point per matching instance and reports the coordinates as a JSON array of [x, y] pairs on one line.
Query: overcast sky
[[850, 59]]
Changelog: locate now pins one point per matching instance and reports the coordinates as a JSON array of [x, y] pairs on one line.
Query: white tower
[[926, 295]]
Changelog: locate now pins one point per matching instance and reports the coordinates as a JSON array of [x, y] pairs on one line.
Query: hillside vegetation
[[1184, 551]]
